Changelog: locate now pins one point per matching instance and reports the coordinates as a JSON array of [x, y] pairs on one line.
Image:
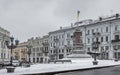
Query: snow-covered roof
[[88, 22]]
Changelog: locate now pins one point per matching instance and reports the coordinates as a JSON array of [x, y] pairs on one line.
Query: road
[[104, 71]]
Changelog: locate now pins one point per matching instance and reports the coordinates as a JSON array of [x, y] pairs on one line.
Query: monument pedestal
[[78, 54]]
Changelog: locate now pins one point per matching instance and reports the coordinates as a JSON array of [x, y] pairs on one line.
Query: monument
[[78, 51]]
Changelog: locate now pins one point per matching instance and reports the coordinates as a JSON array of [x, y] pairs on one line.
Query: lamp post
[[95, 46], [116, 48], [11, 46], [29, 51]]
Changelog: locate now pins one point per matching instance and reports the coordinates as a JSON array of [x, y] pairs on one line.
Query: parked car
[[16, 63], [1, 64], [6, 63]]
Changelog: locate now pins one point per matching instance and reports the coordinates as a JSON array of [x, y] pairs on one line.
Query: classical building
[[20, 53], [45, 46], [106, 30], [39, 50], [4, 52], [60, 43]]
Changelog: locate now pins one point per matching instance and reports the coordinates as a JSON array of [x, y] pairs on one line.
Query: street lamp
[[29, 51], [11, 46], [95, 46], [116, 48]]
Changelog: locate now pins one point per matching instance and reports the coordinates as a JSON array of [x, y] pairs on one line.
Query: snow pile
[[42, 68]]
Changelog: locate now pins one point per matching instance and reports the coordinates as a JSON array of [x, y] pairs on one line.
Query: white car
[[15, 63]]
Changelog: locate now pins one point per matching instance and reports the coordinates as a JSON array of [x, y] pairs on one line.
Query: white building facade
[[4, 52], [39, 49], [107, 30]]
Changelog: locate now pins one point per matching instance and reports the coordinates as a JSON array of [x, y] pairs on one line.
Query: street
[[103, 71]]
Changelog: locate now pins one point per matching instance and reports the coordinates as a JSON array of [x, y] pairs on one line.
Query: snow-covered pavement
[[42, 68]]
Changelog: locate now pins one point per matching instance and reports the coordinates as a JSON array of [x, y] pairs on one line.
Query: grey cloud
[[29, 18]]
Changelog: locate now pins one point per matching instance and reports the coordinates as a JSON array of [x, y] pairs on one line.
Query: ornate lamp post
[[116, 48], [11, 47], [95, 46], [29, 51]]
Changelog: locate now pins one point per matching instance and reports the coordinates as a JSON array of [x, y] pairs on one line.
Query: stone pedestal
[[10, 69], [95, 62]]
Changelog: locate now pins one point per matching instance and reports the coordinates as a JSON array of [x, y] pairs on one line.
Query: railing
[[117, 32], [45, 43], [96, 34], [115, 40], [56, 39]]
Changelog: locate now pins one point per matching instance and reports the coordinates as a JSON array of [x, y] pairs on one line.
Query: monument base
[[78, 54]]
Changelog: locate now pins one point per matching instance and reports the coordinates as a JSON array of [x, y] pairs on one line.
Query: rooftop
[[89, 22]]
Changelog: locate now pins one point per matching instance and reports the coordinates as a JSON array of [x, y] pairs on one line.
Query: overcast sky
[[33, 18]]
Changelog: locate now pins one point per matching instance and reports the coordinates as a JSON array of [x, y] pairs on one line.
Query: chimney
[[71, 24], [60, 27], [100, 18], [117, 15]]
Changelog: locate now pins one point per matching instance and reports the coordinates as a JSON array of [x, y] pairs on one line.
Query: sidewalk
[[59, 67]]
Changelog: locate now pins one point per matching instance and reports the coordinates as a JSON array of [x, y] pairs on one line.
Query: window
[[80, 33], [102, 48], [59, 44], [59, 50], [88, 32], [54, 37], [68, 35], [1, 55], [62, 50], [106, 38], [97, 29], [101, 30], [106, 29], [59, 36], [116, 37], [92, 39], [106, 47], [62, 35], [101, 39], [88, 49], [62, 43], [67, 50], [92, 30], [51, 37], [68, 42], [115, 28], [97, 39], [88, 40]]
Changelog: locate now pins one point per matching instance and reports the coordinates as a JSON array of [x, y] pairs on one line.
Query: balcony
[[78, 45], [115, 40], [56, 39], [96, 34], [117, 32], [45, 51], [45, 43]]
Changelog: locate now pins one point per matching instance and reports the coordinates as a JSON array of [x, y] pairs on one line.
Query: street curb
[[57, 72]]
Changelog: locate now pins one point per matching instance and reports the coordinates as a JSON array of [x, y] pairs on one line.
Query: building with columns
[[4, 52], [39, 50], [106, 30]]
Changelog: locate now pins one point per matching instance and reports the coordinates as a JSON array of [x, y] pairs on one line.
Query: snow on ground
[[42, 68]]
